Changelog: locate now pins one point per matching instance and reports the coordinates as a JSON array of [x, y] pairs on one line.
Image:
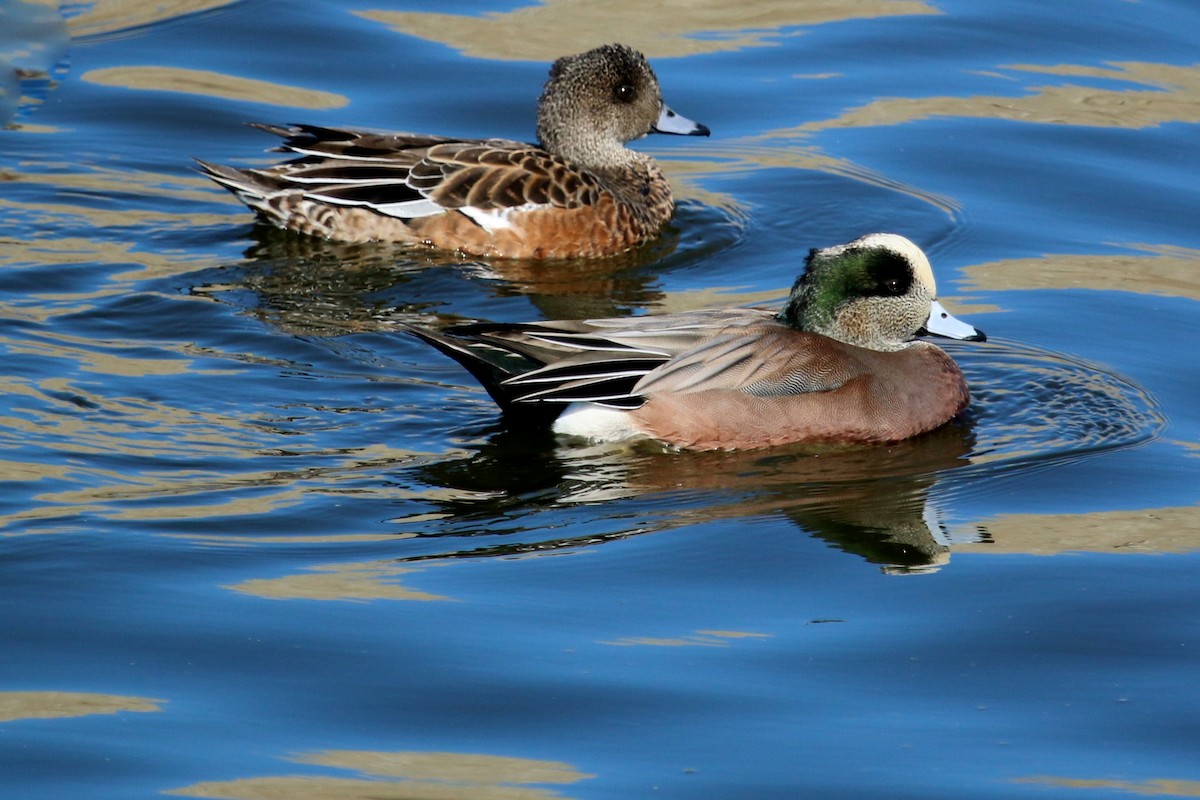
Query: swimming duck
[[838, 363], [579, 192]]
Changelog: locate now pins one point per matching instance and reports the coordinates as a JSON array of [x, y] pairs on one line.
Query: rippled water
[[258, 543]]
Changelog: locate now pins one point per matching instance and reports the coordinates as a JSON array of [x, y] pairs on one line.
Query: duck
[[579, 192], [840, 362]]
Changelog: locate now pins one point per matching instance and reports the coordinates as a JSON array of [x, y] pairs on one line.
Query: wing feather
[[775, 361], [412, 175], [621, 362]]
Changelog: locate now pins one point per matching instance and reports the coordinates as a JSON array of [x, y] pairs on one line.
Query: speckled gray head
[[595, 102]]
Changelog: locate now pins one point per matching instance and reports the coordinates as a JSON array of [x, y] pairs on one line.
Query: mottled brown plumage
[[579, 193]]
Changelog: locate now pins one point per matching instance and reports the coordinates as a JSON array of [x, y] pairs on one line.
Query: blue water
[[257, 543]]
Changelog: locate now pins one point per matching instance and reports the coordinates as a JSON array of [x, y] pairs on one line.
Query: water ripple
[[1029, 405]]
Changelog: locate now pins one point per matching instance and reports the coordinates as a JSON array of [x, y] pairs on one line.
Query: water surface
[[258, 543]]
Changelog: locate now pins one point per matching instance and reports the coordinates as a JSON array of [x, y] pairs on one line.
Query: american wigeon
[[578, 193], [838, 363]]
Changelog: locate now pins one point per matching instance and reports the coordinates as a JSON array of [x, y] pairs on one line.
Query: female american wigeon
[[838, 363], [578, 193]]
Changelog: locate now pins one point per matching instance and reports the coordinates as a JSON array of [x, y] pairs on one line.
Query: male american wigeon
[[838, 363], [578, 193]]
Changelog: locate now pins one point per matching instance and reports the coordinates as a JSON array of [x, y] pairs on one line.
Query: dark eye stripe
[[892, 273]]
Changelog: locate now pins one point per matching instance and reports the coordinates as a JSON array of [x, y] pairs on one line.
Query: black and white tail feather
[[611, 363]]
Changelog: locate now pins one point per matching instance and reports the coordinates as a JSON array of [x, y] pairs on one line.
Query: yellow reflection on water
[[456, 767], [116, 360], [1149, 530], [554, 28], [1165, 270], [1173, 96], [103, 181], [125, 495], [1154, 786], [108, 16], [45, 253], [56, 705], [214, 84], [126, 222], [366, 580], [701, 638], [403, 775], [219, 540], [78, 419]]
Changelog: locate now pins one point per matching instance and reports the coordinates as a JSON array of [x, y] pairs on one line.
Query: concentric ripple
[[1031, 404]]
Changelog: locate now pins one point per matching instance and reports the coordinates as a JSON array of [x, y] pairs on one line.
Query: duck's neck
[[591, 151], [853, 324], [804, 311]]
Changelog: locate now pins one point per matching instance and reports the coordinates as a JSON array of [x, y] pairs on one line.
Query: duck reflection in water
[[877, 502], [305, 285]]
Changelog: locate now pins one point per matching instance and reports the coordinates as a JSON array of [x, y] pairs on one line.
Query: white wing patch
[[409, 209], [405, 209], [492, 220]]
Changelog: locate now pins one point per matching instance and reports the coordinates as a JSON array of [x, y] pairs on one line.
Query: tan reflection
[[454, 767], [367, 580], [132, 426], [1156, 786], [112, 361], [1167, 270], [214, 84], [698, 639], [105, 180], [666, 28], [121, 494], [218, 540], [57, 705], [18, 471], [19, 251], [27, 127], [1174, 97], [403, 776], [1151, 530], [73, 418], [44, 253], [109, 16]]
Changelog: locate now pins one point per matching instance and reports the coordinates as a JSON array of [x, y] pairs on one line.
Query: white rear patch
[[596, 422]]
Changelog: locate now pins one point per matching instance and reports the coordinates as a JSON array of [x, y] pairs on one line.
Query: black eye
[[893, 286], [624, 93]]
